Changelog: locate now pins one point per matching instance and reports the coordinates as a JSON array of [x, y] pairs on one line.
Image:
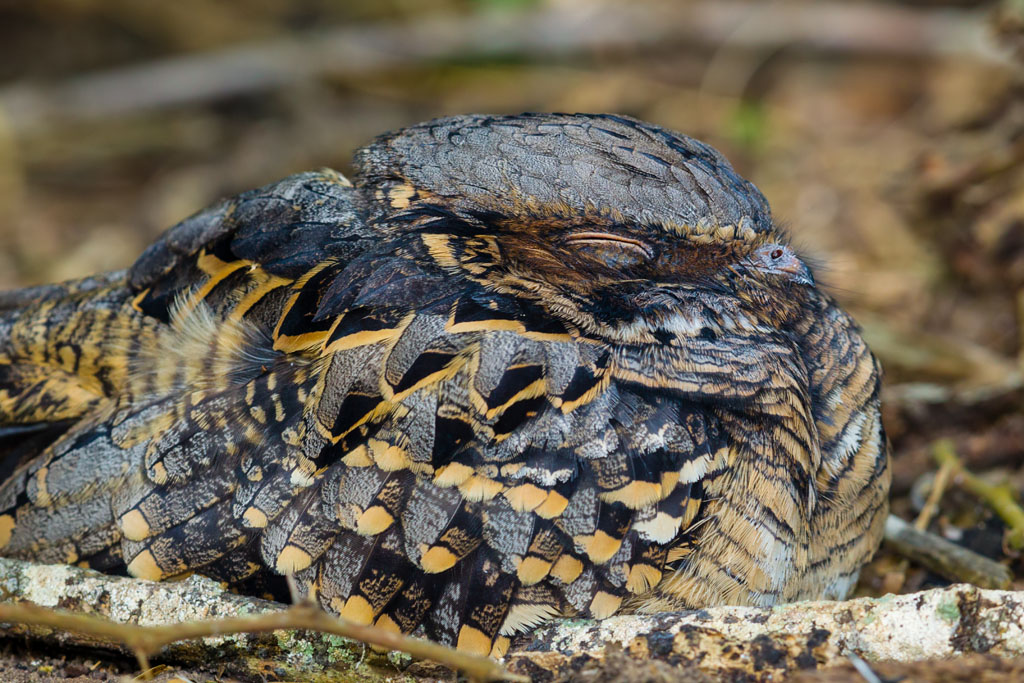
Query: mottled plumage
[[525, 367]]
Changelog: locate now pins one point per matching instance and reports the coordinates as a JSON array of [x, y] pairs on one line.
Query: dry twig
[[146, 641], [931, 506]]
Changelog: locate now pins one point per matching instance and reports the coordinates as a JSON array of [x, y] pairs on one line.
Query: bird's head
[[625, 229]]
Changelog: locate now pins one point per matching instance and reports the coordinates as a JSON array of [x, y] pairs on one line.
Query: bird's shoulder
[[266, 237]]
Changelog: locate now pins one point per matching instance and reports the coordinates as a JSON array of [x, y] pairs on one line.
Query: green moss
[[949, 611], [400, 659]]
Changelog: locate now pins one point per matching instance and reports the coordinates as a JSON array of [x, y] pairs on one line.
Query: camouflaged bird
[[525, 367]]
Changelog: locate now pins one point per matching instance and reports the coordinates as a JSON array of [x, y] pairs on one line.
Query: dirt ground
[[897, 161], [25, 663]]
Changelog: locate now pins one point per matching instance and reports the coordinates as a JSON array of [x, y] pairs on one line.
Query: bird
[[523, 367]]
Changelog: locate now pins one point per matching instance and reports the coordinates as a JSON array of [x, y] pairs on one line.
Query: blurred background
[[889, 137]]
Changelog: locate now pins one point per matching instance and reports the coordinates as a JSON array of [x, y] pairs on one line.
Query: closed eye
[[617, 248]]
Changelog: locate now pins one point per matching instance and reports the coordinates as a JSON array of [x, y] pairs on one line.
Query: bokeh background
[[889, 137]]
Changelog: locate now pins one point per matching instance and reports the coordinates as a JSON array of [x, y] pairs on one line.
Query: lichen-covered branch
[[730, 642], [241, 635], [761, 644]]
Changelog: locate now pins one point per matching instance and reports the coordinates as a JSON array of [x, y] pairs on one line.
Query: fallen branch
[[770, 644], [144, 618], [756, 644], [943, 557]]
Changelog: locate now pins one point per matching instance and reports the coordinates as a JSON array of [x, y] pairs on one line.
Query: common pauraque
[[522, 367]]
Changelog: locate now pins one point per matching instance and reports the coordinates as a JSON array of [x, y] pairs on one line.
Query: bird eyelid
[[594, 238]]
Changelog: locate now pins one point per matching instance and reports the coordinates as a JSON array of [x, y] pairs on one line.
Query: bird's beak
[[799, 272]]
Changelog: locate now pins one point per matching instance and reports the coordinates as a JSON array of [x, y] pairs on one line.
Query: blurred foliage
[[749, 123]]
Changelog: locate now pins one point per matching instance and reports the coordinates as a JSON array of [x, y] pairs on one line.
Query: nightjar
[[523, 367]]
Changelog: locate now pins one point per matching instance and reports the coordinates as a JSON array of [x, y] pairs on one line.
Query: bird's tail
[[63, 362], [56, 363]]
